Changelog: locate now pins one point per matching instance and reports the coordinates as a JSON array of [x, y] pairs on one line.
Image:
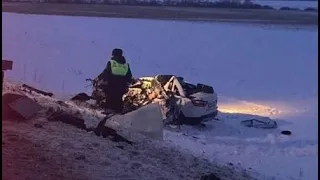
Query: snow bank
[[88, 155]]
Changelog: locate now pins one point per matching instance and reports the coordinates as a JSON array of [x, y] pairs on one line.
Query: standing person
[[117, 75]]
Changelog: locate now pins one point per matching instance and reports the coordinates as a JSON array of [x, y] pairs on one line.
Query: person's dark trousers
[[114, 102]]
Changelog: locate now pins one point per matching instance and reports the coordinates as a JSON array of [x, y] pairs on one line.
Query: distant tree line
[[238, 4]]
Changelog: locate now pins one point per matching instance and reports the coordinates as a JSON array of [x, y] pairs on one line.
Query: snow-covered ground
[[54, 150], [256, 70]]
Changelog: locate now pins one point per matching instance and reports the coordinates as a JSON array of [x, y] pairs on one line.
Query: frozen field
[[258, 70]]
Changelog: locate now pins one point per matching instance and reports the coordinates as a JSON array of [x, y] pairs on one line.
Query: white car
[[197, 103]]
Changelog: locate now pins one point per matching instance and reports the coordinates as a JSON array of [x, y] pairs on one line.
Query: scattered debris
[[81, 97], [100, 130], [62, 103], [68, 119], [27, 87], [105, 131], [18, 107], [286, 132]]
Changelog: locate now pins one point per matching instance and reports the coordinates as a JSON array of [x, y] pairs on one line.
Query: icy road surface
[[256, 70]]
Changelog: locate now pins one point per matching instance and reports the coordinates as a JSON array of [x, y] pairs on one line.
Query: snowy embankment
[[57, 150]]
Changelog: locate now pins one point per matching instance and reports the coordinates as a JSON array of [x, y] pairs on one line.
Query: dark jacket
[[116, 84]]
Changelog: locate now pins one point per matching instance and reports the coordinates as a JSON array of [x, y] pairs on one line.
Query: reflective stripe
[[119, 69]]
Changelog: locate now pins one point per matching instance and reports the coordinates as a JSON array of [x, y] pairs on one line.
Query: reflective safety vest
[[119, 69]]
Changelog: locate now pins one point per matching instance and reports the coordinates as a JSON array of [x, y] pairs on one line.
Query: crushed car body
[[181, 102]]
